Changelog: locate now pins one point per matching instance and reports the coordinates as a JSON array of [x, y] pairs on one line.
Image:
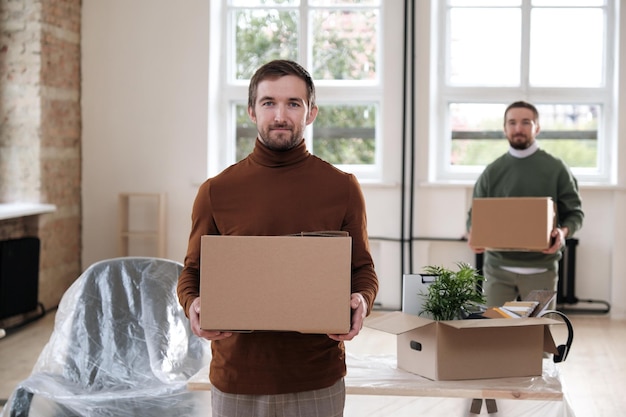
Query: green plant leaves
[[452, 292]]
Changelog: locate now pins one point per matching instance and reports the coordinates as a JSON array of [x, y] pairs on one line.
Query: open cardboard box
[[512, 223], [276, 283], [468, 349]]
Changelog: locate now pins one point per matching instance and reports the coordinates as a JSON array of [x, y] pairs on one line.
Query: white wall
[[144, 113], [145, 109]]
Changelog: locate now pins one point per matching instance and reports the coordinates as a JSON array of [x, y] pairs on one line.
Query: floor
[[593, 374]]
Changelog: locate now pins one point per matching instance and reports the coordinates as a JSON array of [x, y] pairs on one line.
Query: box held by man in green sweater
[[494, 225]]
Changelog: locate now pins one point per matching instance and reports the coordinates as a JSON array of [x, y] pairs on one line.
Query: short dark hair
[[276, 69], [524, 105]]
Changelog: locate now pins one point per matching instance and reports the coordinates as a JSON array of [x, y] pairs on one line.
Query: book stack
[[535, 304], [516, 309]]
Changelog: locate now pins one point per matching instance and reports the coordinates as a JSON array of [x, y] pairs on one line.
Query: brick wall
[[40, 132]]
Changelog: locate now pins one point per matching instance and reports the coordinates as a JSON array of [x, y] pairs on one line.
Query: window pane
[[568, 131], [477, 56], [477, 136], [264, 3], [345, 134], [498, 3], [568, 3], [344, 2], [344, 44], [567, 47], [245, 132], [264, 35], [342, 134]]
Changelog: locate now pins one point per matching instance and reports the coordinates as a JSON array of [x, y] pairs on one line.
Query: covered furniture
[[121, 346]]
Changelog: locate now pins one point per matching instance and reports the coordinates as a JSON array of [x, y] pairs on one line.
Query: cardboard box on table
[[468, 349], [512, 223], [276, 283]]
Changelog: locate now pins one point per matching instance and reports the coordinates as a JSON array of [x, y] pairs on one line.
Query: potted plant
[[453, 294]]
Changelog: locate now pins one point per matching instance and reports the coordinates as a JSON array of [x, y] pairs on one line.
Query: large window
[[340, 43], [556, 54]]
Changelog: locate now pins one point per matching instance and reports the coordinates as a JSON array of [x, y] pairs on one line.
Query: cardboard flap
[[324, 233], [396, 322], [548, 342], [491, 323]]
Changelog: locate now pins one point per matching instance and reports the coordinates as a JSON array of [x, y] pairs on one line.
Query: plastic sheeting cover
[[378, 375], [121, 346]]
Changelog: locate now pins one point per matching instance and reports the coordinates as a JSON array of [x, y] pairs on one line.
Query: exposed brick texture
[[40, 132]]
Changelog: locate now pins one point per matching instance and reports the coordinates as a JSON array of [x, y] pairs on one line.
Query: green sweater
[[278, 193], [537, 175]]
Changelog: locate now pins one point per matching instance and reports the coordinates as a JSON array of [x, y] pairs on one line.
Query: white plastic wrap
[[376, 387], [121, 346], [378, 375]]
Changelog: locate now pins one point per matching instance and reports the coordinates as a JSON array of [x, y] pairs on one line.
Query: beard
[[520, 141], [280, 137]]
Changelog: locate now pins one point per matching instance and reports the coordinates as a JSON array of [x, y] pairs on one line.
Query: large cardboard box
[[282, 283], [512, 223], [468, 349]]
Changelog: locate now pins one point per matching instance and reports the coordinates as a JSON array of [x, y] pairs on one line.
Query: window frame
[[225, 93], [444, 95]]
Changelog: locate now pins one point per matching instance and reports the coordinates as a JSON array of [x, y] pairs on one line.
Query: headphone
[[562, 350]]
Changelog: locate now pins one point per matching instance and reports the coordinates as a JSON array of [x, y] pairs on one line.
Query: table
[[377, 375]]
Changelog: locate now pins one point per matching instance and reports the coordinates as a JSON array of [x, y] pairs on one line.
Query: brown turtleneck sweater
[[269, 194]]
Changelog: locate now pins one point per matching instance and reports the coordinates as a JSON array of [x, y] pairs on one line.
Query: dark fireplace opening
[[19, 276]]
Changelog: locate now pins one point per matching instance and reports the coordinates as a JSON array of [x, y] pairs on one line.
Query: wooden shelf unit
[[126, 232]]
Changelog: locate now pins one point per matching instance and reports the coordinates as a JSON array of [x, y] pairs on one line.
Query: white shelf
[[16, 210]]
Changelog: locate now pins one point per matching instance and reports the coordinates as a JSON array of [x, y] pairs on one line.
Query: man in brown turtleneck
[[279, 189]]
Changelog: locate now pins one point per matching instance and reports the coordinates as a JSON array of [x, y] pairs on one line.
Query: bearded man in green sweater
[[279, 189], [527, 171]]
